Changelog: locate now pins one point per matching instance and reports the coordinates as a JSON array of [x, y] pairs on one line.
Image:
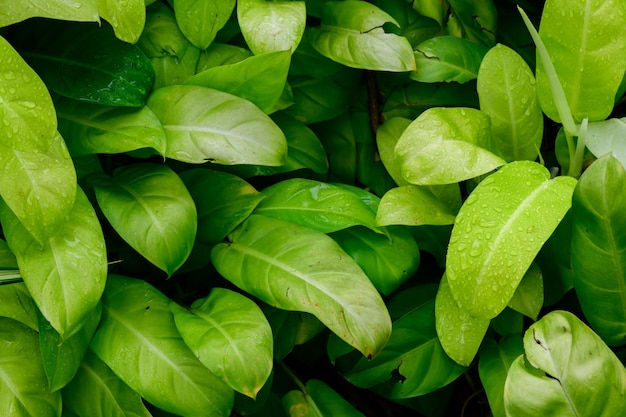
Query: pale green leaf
[[161, 35], [77, 10], [412, 205], [608, 136], [199, 20], [127, 17]]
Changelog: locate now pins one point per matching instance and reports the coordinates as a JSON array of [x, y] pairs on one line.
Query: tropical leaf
[[12, 12], [127, 18], [447, 58], [199, 20]]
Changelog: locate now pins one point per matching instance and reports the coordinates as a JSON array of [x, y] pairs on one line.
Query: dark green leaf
[[17, 304], [528, 297], [173, 70], [319, 400], [447, 58], [161, 35], [474, 20]]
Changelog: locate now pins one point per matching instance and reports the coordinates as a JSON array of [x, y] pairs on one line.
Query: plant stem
[[576, 161]]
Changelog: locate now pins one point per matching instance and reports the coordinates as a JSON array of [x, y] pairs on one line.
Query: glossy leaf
[[447, 145], [82, 11], [473, 20], [66, 275], [447, 58], [231, 336], [388, 261], [319, 400], [161, 35], [387, 135], [96, 391], [23, 387], [528, 297], [199, 20], [507, 93], [459, 332], [352, 34], [174, 70], [127, 18], [264, 257], [17, 304], [218, 54], [599, 248], [38, 180], [499, 231], [271, 26], [7, 258], [318, 205], [304, 148], [567, 371], [203, 125], [588, 52], [138, 340], [150, 208], [259, 79], [608, 136], [412, 205], [92, 128]]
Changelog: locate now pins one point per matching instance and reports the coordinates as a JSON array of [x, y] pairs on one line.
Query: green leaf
[[499, 231], [507, 93], [567, 371], [304, 148], [259, 79], [138, 340], [80, 10], [174, 70], [608, 136], [447, 58], [23, 387], [88, 63], [599, 248], [127, 18], [318, 400], [475, 20], [447, 145], [17, 304], [588, 52], [66, 275], [270, 26], [459, 332], [318, 205], [203, 124], [388, 261], [352, 34], [230, 335], [96, 391], [92, 128], [161, 35], [7, 258], [328, 284], [199, 20], [150, 208], [218, 54], [528, 297], [412, 205], [38, 180], [387, 136]]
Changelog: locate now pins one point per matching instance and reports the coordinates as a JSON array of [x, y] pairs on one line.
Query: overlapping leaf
[[447, 58], [127, 18], [200, 20], [319, 400], [17, 304], [412, 205], [79, 10]]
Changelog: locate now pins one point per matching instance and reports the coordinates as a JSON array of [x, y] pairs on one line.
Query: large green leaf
[[387, 136], [78, 10], [139, 341], [96, 391], [412, 205], [528, 297], [161, 35], [23, 387], [499, 231], [352, 34], [127, 17], [296, 268], [17, 304], [150, 208], [230, 335], [260, 79], [203, 125], [447, 145], [608, 136], [567, 371], [507, 93], [317, 400], [66, 275], [586, 46], [38, 180], [599, 248], [92, 128], [174, 70], [270, 26], [199, 20], [447, 58]]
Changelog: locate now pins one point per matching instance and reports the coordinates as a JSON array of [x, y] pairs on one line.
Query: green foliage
[[254, 207]]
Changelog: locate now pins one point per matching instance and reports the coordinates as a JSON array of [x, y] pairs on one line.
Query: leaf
[[412, 205], [259, 79], [161, 35], [305, 149], [567, 371], [318, 400], [528, 297], [199, 20], [127, 17], [88, 63], [265, 258], [92, 128], [599, 248], [138, 340], [447, 58], [447, 145], [150, 208], [79, 10], [318, 205], [270, 26], [608, 136], [507, 93], [203, 124], [38, 180], [387, 135], [499, 231], [7, 258], [388, 261], [66, 275], [588, 53], [230, 335], [352, 34], [473, 20], [174, 70], [459, 332], [17, 304], [23, 387], [96, 391], [218, 54]]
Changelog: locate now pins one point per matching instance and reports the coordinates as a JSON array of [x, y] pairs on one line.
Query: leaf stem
[[576, 163]]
